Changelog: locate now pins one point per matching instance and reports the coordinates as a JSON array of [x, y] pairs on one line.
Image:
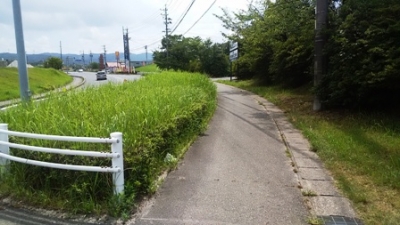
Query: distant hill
[[39, 58]]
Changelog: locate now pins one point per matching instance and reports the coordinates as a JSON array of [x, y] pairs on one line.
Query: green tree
[[181, 52], [53, 62], [275, 41], [94, 66], [364, 53], [192, 54], [214, 59]]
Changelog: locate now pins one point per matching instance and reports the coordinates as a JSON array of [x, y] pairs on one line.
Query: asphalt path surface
[[236, 173]]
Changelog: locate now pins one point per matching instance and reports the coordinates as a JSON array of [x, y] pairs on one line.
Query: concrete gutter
[[78, 81]]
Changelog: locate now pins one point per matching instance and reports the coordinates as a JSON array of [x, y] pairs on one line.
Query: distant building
[[15, 64], [115, 67], [120, 67]]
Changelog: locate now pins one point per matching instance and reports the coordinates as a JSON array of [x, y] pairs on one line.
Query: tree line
[[276, 47], [194, 55]]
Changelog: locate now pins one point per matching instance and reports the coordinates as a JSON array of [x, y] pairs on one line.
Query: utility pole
[[19, 38], [320, 40], [91, 57], [83, 58], [145, 47], [61, 53], [105, 57], [67, 63], [166, 22], [127, 54]]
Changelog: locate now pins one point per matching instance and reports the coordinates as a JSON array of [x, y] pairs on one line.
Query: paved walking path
[[249, 167], [242, 171]]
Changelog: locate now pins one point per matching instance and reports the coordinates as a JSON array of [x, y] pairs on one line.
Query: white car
[[101, 75], [80, 70]]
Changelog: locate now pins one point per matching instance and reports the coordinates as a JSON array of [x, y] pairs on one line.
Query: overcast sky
[[87, 25]]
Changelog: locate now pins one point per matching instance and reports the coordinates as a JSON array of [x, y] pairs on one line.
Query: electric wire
[[153, 43], [212, 4], [180, 21], [208, 9]]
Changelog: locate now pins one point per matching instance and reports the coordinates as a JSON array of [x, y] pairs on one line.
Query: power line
[[201, 17], [183, 16], [153, 43], [157, 41], [151, 18]]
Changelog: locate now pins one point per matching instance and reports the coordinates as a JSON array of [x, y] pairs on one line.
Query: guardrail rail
[[116, 153]]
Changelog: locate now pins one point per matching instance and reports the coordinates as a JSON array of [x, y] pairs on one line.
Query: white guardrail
[[117, 167]]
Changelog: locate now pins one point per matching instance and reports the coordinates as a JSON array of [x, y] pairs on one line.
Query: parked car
[[101, 75], [80, 70]]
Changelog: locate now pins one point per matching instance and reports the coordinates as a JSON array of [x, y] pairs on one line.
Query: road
[[90, 78]]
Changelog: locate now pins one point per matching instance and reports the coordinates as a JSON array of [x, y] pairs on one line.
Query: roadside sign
[[233, 55], [233, 51], [234, 46]]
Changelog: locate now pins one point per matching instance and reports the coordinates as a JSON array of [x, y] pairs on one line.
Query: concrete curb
[[317, 185], [5, 104]]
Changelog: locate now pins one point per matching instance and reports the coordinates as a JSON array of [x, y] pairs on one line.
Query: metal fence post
[[118, 177], [4, 149]]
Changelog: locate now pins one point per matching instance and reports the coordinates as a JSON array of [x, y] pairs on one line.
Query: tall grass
[[361, 149], [40, 80], [158, 115]]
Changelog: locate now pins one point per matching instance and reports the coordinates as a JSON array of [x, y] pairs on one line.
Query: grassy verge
[[149, 68], [158, 115], [40, 80], [361, 149]]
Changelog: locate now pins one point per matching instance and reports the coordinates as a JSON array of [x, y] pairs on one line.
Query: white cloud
[[87, 25]]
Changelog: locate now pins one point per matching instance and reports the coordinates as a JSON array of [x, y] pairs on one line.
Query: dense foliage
[[53, 62], [159, 115], [194, 55], [364, 54], [276, 41], [276, 46]]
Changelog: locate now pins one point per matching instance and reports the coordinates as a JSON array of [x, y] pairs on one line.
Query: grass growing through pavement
[[149, 68], [158, 115], [361, 149], [40, 80]]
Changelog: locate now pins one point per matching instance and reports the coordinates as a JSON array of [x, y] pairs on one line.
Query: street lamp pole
[[19, 38]]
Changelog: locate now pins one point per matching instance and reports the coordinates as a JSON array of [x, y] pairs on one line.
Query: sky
[[88, 25]]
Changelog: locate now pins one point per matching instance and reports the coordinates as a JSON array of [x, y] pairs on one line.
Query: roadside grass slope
[[159, 116], [40, 80]]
